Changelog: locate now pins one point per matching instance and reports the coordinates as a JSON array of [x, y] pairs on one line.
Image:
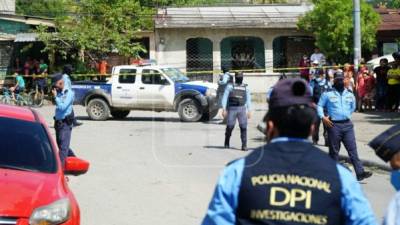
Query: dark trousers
[[63, 138], [344, 133], [393, 97], [237, 113], [380, 97], [315, 136]]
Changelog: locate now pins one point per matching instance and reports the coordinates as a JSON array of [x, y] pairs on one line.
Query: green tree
[[331, 23], [43, 8], [97, 27]]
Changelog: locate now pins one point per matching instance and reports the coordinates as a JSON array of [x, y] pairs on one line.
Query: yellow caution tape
[[187, 73]]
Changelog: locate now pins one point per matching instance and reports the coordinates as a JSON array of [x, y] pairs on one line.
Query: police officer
[[67, 71], [63, 119], [319, 85], [288, 181], [236, 103], [339, 104], [387, 147]]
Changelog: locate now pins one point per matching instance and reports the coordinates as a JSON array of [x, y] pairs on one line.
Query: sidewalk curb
[[368, 163]]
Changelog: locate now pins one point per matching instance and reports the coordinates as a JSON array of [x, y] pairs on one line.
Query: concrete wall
[[170, 49], [7, 6]]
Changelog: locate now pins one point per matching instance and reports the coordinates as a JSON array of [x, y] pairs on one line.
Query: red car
[[33, 186]]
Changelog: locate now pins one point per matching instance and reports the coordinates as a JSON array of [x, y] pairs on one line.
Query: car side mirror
[[75, 166]]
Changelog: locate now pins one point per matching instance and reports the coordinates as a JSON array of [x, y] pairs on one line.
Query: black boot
[[243, 137], [228, 133]]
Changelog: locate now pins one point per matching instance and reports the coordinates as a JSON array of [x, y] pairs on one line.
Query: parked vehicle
[[373, 63], [33, 186], [148, 87]]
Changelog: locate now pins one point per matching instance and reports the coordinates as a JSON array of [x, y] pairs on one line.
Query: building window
[[389, 48], [199, 58], [243, 53], [288, 50]]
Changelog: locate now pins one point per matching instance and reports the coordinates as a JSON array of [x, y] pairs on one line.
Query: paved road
[[153, 169]]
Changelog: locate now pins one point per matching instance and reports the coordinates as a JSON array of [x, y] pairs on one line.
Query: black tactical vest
[[230, 81], [289, 183], [237, 97]]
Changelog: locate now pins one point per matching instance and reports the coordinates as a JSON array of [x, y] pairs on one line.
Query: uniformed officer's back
[[294, 178]]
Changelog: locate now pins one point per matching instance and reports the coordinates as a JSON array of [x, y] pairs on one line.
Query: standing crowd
[[34, 72], [375, 89]]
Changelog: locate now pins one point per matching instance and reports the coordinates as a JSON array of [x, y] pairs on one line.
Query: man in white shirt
[[318, 56]]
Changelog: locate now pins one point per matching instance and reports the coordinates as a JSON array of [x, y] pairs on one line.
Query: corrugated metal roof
[[265, 16], [6, 37], [26, 37], [30, 20]]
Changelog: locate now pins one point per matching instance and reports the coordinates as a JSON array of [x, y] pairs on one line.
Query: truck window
[[127, 76], [153, 77]]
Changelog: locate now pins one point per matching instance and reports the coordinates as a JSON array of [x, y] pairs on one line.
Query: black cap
[[396, 55], [288, 92], [56, 77], [68, 68], [387, 144], [338, 75]]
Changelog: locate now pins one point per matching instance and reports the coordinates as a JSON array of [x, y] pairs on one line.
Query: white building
[[251, 38]]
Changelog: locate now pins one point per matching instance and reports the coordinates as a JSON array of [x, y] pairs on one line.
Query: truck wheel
[[98, 109], [189, 110], [209, 115], [120, 114]]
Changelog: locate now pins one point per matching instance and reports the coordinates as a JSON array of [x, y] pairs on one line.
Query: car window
[[150, 76], [25, 146], [127, 76]]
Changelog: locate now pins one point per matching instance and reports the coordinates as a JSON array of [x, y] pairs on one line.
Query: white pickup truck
[[149, 87]]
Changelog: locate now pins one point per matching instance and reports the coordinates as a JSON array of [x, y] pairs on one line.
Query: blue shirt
[[338, 106], [21, 82], [393, 212], [64, 101], [225, 79], [228, 90], [67, 82], [224, 202]]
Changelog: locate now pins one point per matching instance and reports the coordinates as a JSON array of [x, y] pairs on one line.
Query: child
[[365, 88], [369, 81], [361, 91], [19, 85]]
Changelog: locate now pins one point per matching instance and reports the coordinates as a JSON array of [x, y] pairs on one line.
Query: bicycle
[[21, 99]]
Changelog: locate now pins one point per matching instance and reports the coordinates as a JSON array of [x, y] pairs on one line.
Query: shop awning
[[26, 37]]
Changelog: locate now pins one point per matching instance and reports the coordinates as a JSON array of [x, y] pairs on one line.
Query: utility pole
[[357, 33]]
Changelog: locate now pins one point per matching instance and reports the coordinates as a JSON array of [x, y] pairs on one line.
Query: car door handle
[[141, 88], [119, 87]]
